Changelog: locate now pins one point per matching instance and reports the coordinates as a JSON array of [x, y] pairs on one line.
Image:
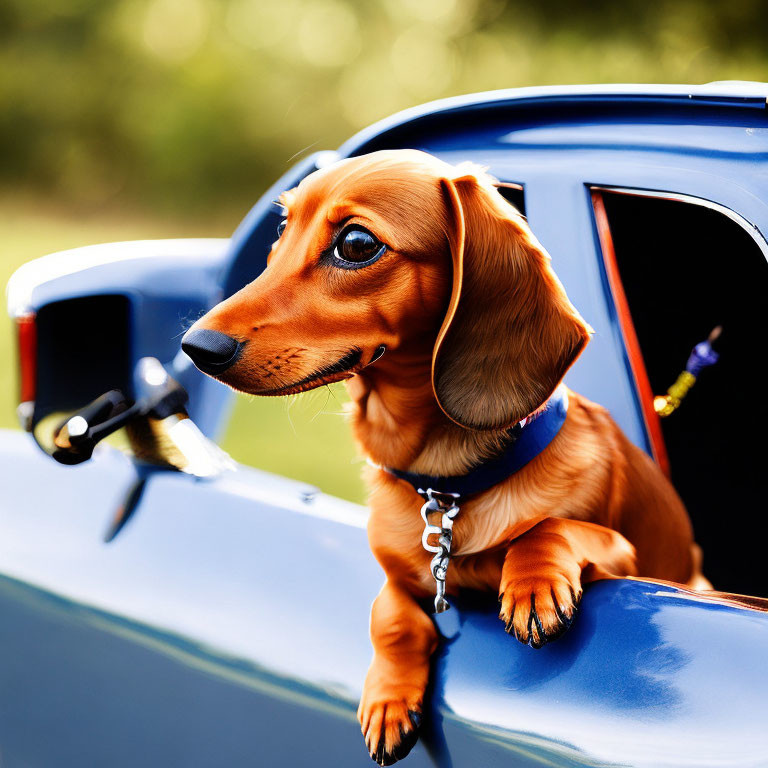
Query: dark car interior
[[685, 269]]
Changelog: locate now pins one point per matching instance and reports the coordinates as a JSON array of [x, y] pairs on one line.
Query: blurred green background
[[124, 119]]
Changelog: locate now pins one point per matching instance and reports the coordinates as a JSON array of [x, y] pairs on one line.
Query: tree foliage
[[195, 104]]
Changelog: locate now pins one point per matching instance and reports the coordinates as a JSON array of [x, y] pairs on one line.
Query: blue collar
[[526, 441]]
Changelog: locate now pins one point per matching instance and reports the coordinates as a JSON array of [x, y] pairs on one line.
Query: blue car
[[218, 616]]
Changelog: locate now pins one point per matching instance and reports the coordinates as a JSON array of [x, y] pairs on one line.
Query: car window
[[677, 268], [513, 193]]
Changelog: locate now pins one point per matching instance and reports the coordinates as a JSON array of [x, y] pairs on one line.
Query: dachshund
[[422, 288]]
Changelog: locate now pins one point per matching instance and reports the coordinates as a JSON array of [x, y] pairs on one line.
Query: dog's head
[[401, 252]]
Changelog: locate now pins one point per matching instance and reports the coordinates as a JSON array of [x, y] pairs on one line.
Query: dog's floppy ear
[[510, 332]]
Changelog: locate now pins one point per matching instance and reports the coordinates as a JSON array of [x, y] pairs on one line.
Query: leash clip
[[445, 504]]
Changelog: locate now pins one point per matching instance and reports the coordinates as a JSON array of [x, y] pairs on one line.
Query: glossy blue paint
[[227, 625], [726, 96]]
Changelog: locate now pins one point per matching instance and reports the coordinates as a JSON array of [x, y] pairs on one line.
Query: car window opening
[[685, 269], [513, 193]]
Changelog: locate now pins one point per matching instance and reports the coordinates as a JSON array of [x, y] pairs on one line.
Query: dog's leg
[[404, 638], [544, 569]]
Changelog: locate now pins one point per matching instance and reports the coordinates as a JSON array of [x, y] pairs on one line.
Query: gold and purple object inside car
[[702, 356]]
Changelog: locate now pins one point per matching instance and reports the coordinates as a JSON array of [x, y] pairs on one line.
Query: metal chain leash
[[445, 504]]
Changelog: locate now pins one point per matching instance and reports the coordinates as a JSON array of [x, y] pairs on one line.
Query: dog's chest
[[396, 538], [401, 554]]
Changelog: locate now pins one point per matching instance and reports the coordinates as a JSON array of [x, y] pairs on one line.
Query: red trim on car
[[632, 345], [27, 345]]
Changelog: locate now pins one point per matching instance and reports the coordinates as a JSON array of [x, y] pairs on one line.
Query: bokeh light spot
[[329, 35], [175, 29], [423, 62]]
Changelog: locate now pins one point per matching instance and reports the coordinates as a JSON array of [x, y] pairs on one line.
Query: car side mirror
[[158, 427]]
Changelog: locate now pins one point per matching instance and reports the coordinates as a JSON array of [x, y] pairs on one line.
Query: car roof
[[736, 94]]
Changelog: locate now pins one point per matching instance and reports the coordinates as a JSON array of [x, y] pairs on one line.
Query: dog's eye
[[281, 227], [357, 247]]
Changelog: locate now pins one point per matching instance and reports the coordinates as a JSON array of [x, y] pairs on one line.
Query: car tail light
[[27, 345]]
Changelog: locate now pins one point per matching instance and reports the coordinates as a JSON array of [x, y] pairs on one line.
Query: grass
[[303, 437]]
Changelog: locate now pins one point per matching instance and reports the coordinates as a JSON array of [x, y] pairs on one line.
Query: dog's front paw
[[390, 727], [537, 611]]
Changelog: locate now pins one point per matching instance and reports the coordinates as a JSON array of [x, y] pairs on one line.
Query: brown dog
[[401, 252]]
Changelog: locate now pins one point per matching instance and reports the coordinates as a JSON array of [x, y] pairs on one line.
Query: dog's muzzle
[[212, 352]]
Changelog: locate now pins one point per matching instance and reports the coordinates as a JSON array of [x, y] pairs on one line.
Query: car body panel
[[226, 624]]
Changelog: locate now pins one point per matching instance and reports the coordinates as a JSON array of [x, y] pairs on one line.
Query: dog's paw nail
[[576, 598], [407, 741], [378, 755], [539, 617], [407, 723]]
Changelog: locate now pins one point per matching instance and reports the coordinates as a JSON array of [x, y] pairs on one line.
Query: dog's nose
[[212, 352]]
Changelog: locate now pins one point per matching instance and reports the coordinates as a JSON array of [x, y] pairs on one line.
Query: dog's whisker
[[322, 408], [187, 321], [301, 151], [289, 401]]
